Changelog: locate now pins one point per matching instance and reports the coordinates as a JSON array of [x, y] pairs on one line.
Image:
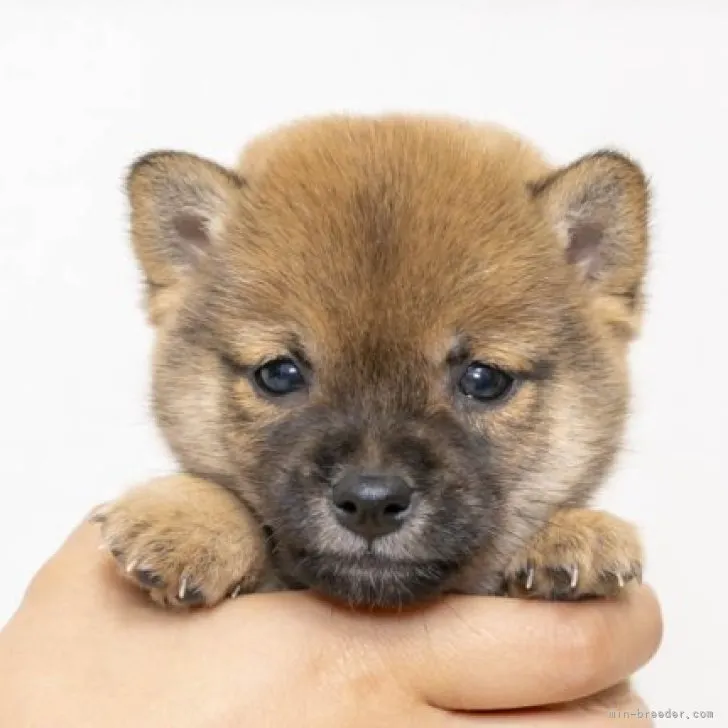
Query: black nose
[[372, 505]]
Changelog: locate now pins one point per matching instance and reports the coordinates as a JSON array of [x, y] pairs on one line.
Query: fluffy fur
[[385, 254]]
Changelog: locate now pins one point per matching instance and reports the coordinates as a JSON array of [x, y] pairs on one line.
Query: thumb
[[489, 653]]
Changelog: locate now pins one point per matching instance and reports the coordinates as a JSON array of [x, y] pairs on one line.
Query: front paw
[[580, 554], [185, 541]]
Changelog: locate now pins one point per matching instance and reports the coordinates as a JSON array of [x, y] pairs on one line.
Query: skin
[[86, 649]]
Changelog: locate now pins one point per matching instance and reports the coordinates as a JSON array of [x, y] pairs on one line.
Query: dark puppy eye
[[485, 383], [279, 377]]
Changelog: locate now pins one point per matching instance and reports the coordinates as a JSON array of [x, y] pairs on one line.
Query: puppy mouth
[[368, 579]]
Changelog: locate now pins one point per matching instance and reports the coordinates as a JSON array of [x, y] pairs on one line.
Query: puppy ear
[[599, 208], [178, 206]]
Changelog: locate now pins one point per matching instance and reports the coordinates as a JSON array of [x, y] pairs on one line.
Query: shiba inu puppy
[[391, 361]]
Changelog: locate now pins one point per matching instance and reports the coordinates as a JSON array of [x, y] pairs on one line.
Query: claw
[[236, 592], [620, 580], [131, 566], [97, 515], [530, 576], [189, 595], [574, 577]]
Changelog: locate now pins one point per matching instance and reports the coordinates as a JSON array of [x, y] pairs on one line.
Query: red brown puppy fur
[[379, 258]]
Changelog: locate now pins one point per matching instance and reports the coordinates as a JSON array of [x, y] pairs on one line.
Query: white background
[[85, 87]]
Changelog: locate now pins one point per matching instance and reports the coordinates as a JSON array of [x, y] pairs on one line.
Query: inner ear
[[179, 205], [194, 236], [598, 208], [583, 247]]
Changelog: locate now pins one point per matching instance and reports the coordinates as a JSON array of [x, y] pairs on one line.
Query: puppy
[[391, 360]]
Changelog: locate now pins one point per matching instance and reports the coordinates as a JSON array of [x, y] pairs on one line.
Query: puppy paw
[[580, 554], [185, 541]]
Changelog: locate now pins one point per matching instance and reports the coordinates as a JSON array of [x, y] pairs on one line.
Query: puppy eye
[[279, 377], [485, 383]]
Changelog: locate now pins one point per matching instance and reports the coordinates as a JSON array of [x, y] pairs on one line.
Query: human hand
[[85, 649]]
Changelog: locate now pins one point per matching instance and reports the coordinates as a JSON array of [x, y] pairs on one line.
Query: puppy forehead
[[409, 230]]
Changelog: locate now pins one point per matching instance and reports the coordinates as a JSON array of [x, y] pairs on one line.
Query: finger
[[592, 712], [471, 653], [467, 653]]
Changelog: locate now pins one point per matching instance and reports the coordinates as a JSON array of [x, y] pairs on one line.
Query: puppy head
[[402, 341]]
